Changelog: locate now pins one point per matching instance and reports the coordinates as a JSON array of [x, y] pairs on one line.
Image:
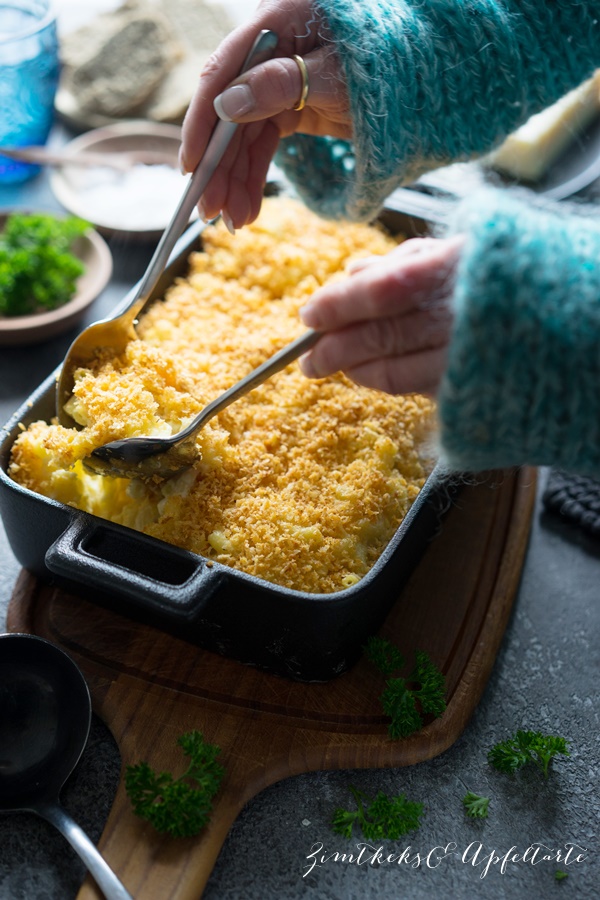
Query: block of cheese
[[528, 153]]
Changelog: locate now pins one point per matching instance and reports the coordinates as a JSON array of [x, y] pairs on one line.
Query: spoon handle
[[121, 161], [104, 876], [263, 48], [257, 376]]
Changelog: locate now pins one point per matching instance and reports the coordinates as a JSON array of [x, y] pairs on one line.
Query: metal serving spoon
[[45, 713], [114, 334], [145, 457]]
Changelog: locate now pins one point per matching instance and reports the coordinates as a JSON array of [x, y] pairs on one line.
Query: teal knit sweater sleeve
[[433, 81], [523, 378]]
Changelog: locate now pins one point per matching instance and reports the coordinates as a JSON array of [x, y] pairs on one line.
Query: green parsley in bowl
[[51, 269]]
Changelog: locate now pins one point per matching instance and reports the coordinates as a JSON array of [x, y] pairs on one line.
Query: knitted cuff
[[434, 82], [523, 377]]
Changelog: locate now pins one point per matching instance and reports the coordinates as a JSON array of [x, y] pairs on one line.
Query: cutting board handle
[[110, 558]]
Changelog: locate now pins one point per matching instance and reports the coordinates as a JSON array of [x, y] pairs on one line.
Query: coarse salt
[[144, 198]]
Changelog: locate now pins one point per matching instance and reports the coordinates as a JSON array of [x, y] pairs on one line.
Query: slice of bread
[[143, 59], [127, 68], [199, 27], [169, 102]]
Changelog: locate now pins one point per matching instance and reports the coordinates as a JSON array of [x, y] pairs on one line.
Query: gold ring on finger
[[305, 86]]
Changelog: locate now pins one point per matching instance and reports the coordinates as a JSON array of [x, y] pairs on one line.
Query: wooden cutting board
[[149, 687]]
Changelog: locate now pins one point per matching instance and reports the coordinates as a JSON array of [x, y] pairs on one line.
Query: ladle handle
[[104, 876]]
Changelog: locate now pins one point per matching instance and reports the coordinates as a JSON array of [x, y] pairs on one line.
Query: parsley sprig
[[378, 818], [179, 806], [527, 747], [37, 269], [407, 700], [476, 806]]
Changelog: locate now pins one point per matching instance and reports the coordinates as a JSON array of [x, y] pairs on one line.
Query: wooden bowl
[[93, 252]]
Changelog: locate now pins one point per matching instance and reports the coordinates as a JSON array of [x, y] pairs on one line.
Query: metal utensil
[[145, 457], [122, 162], [114, 334], [45, 714]]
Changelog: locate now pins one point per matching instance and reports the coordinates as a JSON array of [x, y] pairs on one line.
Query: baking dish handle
[[116, 561]]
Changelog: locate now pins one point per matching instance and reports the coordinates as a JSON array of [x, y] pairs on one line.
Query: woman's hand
[[264, 98], [388, 324]]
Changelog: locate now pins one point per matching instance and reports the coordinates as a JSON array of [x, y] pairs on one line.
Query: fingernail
[[228, 222], [310, 316], [306, 366], [234, 102], [202, 211]]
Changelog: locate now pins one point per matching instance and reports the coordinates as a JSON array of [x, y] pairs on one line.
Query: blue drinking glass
[[29, 69]]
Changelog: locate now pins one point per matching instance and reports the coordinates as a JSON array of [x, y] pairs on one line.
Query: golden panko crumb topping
[[301, 482]]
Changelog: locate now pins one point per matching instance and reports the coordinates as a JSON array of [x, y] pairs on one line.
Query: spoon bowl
[[45, 715]]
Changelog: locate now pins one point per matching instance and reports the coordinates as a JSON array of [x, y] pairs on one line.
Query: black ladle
[[45, 715]]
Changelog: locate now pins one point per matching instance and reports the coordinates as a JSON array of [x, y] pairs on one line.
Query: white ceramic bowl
[[138, 203]]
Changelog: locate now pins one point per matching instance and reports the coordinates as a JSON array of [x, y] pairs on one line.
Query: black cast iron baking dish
[[307, 637]]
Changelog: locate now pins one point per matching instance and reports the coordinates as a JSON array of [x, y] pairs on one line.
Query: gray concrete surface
[[545, 678]]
